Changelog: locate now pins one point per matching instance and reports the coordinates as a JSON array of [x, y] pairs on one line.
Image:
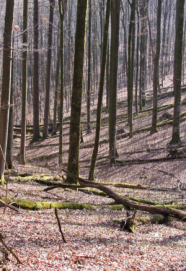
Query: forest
[[92, 135]]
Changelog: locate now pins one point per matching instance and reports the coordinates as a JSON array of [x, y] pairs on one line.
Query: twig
[[59, 225], [8, 205], [15, 256], [7, 179]]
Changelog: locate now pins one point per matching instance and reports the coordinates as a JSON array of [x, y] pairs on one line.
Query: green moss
[[3, 180], [118, 207], [30, 205]]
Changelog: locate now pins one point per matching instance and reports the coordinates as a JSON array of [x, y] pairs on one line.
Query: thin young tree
[[115, 20], [6, 79], [156, 70], [36, 133], [49, 56], [75, 121], [89, 68], [100, 94], [143, 10], [9, 155], [62, 8], [130, 75], [178, 55], [24, 83]]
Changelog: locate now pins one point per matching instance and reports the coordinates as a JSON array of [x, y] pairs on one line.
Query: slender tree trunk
[[36, 133], [6, 79], [137, 63], [47, 98], [100, 94], [61, 11], [56, 90], [143, 9], [24, 83], [156, 70], [89, 70], [177, 70], [115, 19], [75, 122], [9, 156], [131, 67]]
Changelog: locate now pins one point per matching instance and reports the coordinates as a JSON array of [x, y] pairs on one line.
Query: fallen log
[[181, 215]]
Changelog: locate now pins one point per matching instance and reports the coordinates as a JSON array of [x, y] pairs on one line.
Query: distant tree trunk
[[143, 9], [178, 70], [75, 122], [62, 7], [107, 76], [56, 89], [156, 70], [137, 62], [131, 66], [115, 19], [89, 70], [47, 98], [6, 78], [100, 94], [9, 156], [36, 133], [24, 83]]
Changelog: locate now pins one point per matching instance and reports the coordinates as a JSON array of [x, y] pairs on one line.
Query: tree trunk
[[131, 67], [61, 11], [156, 70], [6, 78], [115, 19], [89, 70], [9, 156], [24, 83], [56, 90], [75, 122], [143, 51], [100, 94], [178, 70], [36, 133], [47, 98]]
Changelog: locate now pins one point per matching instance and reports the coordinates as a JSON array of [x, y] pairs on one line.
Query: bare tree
[[115, 19], [6, 76], [178, 70], [75, 121], [47, 98]]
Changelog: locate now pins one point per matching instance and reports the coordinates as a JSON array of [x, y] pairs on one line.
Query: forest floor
[[94, 239]]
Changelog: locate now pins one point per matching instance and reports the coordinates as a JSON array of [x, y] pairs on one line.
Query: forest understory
[[91, 222]]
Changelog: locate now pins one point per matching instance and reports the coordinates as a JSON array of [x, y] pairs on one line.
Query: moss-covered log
[[166, 211], [30, 205]]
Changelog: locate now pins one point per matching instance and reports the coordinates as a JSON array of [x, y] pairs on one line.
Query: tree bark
[[47, 98], [178, 70], [24, 83], [115, 19], [61, 11], [130, 76], [6, 79], [75, 122], [36, 133], [156, 70], [89, 69], [100, 94]]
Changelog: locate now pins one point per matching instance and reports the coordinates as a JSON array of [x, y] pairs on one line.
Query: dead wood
[[10, 206], [123, 200], [2, 237], [59, 225]]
